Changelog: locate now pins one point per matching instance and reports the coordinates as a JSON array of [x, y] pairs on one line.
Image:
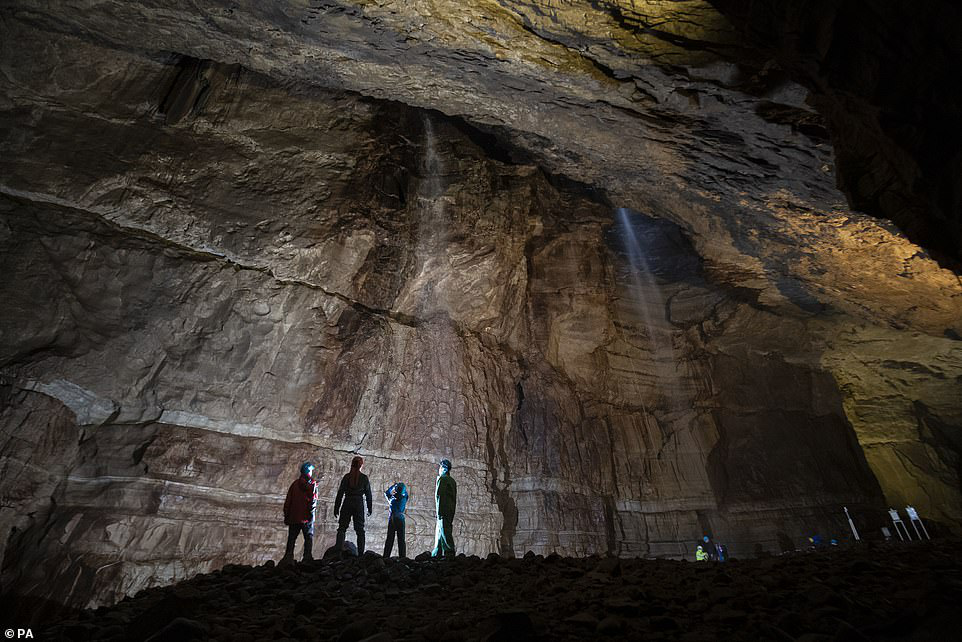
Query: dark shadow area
[[840, 593], [880, 75]]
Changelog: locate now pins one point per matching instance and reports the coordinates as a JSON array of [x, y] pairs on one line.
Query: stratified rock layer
[[214, 274]]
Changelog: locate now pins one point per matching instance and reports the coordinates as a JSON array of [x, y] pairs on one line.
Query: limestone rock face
[[582, 259], [876, 74]]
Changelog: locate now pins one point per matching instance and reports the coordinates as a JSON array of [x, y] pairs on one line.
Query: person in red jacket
[[299, 512]]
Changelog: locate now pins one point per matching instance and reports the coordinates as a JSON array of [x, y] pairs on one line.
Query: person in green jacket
[[700, 554], [446, 499]]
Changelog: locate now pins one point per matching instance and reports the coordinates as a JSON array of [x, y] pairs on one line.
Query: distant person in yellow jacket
[[700, 554], [446, 500]]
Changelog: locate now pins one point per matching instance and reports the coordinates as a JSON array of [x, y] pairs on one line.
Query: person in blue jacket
[[397, 497]]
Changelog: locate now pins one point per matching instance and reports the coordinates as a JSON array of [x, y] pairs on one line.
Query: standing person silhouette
[[299, 513], [709, 547], [397, 497], [354, 489], [446, 500]]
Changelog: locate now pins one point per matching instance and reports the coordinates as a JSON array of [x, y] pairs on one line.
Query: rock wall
[[876, 74], [213, 275]]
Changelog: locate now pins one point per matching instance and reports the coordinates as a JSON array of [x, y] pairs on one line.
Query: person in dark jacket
[[354, 489], [397, 498], [446, 500], [709, 547], [299, 512], [721, 552]]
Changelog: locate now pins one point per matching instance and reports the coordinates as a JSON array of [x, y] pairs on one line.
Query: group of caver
[[352, 493], [710, 551]]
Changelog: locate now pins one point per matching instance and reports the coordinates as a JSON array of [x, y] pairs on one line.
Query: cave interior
[[643, 271]]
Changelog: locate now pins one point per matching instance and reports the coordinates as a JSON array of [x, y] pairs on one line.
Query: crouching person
[[299, 513]]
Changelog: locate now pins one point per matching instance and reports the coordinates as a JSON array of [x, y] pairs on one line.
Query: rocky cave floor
[[909, 591]]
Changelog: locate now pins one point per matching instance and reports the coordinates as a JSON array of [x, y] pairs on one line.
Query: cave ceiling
[[655, 105]]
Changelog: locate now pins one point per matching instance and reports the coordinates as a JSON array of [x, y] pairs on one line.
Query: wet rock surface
[[885, 592]]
